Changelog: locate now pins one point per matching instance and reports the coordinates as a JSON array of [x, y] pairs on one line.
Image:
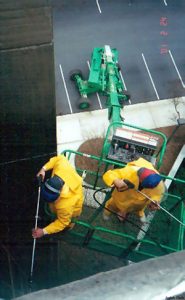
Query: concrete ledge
[[152, 279], [73, 130]]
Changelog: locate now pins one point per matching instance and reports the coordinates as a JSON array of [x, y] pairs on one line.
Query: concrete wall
[[27, 112], [25, 23]]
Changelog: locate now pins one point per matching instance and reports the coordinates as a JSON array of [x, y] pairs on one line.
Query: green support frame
[[89, 234], [115, 124]]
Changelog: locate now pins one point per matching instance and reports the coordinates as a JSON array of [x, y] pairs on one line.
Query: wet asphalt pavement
[[149, 36]]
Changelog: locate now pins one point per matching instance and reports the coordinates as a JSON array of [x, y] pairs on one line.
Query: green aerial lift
[[104, 78], [122, 144]]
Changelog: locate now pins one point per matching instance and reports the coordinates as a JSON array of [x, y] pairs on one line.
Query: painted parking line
[[65, 87], [96, 93], [183, 84], [97, 2], [157, 95], [122, 80], [165, 3]]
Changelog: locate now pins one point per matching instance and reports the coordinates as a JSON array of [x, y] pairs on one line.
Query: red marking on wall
[[164, 23], [164, 33]]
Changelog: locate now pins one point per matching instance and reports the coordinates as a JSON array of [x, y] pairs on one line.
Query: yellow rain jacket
[[69, 204], [130, 200]]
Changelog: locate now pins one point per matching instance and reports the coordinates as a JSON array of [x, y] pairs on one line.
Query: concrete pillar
[[27, 113]]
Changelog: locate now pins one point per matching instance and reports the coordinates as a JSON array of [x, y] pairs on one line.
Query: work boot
[[142, 219]]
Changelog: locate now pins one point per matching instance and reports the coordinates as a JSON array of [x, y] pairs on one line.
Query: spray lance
[[162, 208], [131, 186], [34, 240]]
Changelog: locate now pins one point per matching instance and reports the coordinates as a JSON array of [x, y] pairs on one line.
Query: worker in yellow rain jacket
[[63, 191], [137, 179]]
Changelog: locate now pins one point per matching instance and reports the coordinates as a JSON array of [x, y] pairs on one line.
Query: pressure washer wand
[[34, 240], [162, 208]]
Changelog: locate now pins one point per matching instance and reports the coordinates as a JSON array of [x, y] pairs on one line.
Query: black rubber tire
[[73, 73], [127, 94], [118, 66], [109, 113], [84, 103]]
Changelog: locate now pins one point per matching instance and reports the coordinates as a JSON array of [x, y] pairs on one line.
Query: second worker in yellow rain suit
[[63, 191], [136, 175]]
